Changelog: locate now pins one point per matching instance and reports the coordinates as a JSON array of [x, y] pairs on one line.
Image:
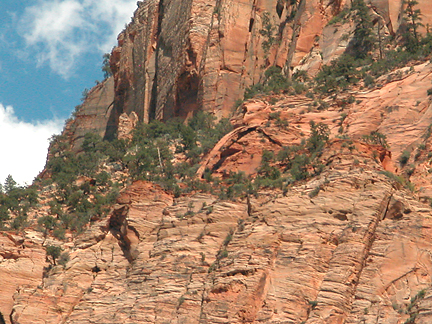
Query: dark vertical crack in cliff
[[295, 36], [154, 90], [118, 226], [174, 32]]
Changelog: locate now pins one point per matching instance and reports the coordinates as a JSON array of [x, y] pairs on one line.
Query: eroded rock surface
[[177, 57], [351, 245], [22, 260], [356, 251], [93, 115]]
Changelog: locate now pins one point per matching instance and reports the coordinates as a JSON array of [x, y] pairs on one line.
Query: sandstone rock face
[[357, 251], [351, 245], [194, 54], [402, 110], [177, 57], [126, 125], [348, 246], [94, 115], [399, 108], [22, 260]]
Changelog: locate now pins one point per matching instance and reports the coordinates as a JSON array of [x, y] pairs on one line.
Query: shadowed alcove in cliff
[[186, 99], [186, 96], [280, 5]]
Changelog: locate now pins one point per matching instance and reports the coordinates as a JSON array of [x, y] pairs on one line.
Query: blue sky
[[51, 50]]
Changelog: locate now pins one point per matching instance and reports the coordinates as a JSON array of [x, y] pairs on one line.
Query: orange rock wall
[[357, 251], [178, 57]]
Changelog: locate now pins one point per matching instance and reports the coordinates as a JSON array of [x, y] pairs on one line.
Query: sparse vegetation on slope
[[15, 203], [364, 60], [82, 187]]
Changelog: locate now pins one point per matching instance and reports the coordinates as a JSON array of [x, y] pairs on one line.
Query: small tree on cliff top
[[413, 23], [54, 252], [9, 184], [106, 68]]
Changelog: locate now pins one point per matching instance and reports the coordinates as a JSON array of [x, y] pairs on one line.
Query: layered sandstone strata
[[348, 246], [357, 251]]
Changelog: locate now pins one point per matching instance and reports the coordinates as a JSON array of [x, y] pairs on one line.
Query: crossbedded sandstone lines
[[336, 293]]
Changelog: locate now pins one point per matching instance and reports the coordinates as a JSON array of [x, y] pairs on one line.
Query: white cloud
[[59, 32], [23, 146]]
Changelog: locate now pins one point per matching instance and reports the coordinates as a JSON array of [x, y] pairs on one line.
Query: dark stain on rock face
[[395, 211]]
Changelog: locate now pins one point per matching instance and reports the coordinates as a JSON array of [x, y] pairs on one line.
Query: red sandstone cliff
[[358, 251], [176, 57]]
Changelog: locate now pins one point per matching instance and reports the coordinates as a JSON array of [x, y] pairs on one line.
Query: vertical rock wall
[[92, 115], [176, 57]]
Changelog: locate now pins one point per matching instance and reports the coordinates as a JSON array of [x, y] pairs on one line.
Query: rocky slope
[[350, 245], [356, 251]]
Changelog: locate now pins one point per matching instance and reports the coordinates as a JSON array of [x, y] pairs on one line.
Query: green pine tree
[[364, 38], [54, 252], [412, 19], [9, 184], [106, 68]]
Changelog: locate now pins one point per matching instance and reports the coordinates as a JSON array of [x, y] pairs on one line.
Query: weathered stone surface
[[93, 115], [401, 109], [356, 251], [177, 57], [127, 124], [21, 265]]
